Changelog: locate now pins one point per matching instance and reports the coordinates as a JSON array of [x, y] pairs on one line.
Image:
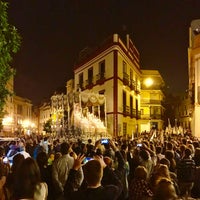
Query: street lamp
[[148, 82]]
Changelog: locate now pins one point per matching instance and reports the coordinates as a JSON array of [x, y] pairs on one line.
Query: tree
[[9, 44]]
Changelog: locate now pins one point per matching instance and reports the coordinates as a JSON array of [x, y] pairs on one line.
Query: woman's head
[[163, 171], [165, 190], [140, 173], [27, 177]]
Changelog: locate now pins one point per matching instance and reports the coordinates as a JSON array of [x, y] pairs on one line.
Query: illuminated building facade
[[114, 71], [152, 98], [194, 75]]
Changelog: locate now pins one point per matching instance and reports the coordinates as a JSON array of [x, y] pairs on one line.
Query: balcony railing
[[125, 78], [100, 78], [132, 85], [89, 83], [80, 86], [126, 110]]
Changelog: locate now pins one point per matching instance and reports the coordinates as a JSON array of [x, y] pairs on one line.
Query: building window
[[19, 109], [81, 80], [131, 105], [90, 75], [102, 69], [124, 67], [124, 102], [131, 74]]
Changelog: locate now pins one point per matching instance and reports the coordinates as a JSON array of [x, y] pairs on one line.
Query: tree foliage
[[9, 44]]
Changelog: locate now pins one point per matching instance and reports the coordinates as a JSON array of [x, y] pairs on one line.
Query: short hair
[[140, 173], [188, 152], [64, 148], [93, 172], [165, 190], [165, 161]]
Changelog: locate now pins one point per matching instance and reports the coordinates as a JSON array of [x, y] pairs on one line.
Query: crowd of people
[[143, 168]]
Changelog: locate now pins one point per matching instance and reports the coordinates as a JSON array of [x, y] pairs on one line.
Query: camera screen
[[104, 141], [87, 159]]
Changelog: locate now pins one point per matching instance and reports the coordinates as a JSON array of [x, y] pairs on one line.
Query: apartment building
[[194, 75], [114, 71], [152, 98]]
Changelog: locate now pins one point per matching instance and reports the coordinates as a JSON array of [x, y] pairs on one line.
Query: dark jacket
[[107, 192]]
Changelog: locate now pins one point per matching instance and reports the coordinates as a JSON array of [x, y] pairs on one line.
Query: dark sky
[[55, 31]]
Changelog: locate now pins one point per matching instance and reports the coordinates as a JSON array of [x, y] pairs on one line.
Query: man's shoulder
[[101, 193]]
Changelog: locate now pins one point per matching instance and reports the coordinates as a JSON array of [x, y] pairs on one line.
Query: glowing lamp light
[[148, 82], [7, 120]]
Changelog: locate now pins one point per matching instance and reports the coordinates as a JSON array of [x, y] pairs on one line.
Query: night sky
[[55, 31]]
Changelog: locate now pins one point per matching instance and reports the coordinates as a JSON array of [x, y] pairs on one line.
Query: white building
[[114, 70]]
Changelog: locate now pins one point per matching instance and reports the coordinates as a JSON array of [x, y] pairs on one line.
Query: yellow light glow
[[148, 82], [7, 120]]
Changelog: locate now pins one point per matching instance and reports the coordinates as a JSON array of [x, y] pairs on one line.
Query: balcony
[[126, 110], [100, 78], [138, 114], [132, 85], [89, 83], [80, 86], [137, 90], [156, 116], [125, 78], [133, 113]]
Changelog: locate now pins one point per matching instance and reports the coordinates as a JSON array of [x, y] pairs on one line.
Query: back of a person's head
[[158, 149], [17, 159], [169, 155], [93, 172], [144, 154], [42, 159], [169, 146], [165, 161], [64, 148], [27, 178], [184, 141], [90, 141], [140, 173], [197, 152], [188, 152], [165, 190], [163, 171]]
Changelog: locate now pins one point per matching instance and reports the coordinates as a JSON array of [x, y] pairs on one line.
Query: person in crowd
[[4, 192], [146, 161], [133, 163], [93, 173], [46, 173], [60, 171], [22, 150], [161, 171], [195, 192], [196, 157], [169, 154], [186, 173], [139, 188], [90, 148], [17, 159], [165, 190], [27, 183], [159, 154], [121, 170]]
